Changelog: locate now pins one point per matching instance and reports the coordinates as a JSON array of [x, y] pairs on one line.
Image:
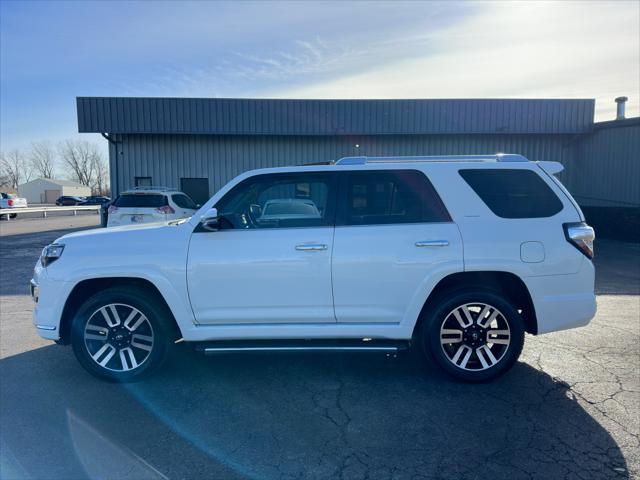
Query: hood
[[116, 231]]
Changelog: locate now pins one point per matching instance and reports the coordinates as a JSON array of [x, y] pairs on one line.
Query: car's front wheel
[[474, 335], [121, 334]]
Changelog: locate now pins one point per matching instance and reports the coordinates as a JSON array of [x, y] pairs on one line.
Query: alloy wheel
[[119, 337], [475, 336]]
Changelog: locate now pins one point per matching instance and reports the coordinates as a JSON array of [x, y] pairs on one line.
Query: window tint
[[183, 201], [140, 200], [513, 193], [279, 201], [390, 196]]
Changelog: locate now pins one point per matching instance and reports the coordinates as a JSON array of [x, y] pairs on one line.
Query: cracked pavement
[[569, 409]]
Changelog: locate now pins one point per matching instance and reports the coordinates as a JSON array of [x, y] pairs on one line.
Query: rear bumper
[[564, 301]]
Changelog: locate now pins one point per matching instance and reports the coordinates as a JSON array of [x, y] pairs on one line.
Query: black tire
[[479, 366], [13, 215], [157, 325]]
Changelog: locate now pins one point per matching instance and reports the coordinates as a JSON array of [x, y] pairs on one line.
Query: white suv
[[149, 204], [460, 255]]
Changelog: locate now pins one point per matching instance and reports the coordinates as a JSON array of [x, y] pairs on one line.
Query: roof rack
[[498, 157]]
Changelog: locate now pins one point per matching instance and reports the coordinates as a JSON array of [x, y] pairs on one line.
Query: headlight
[[51, 253]]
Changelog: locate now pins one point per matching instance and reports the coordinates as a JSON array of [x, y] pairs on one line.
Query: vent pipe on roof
[[620, 111]]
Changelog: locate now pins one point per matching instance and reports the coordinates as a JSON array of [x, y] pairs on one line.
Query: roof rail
[[498, 157], [151, 187]]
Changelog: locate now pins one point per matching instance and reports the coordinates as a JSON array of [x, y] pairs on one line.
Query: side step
[[390, 347]]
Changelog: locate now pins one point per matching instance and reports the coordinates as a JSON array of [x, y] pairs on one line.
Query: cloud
[[537, 50]]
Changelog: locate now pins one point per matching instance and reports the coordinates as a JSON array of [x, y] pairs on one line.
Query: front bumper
[[49, 298]]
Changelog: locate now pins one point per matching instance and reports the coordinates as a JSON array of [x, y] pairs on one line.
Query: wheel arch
[[86, 288], [505, 283]]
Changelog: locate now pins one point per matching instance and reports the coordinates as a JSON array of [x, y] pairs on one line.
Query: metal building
[[198, 145]]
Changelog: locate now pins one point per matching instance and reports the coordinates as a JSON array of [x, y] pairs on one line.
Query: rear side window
[[137, 200], [389, 197], [513, 193], [183, 201]]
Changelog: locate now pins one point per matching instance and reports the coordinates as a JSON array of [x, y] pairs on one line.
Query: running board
[[261, 346]]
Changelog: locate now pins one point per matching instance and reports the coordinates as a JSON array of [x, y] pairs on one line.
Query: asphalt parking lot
[[569, 409]]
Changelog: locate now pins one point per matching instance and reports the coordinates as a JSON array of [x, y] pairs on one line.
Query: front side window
[[511, 193], [279, 201], [389, 197]]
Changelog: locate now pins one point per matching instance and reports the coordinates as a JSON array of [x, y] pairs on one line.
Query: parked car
[[146, 205], [68, 201], [11, 201], [459, 256], [95, 200]]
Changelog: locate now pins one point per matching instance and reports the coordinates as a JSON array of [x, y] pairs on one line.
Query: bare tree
[[43, 159], [85, 162], [14, 168]]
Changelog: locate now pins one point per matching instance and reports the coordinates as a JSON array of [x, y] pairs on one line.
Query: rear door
[[139, 207], [392, 233]]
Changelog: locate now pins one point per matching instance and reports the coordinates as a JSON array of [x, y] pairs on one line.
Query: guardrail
[[7, 212]]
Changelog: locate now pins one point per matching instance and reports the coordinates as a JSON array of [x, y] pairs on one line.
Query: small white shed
[[47, 190]]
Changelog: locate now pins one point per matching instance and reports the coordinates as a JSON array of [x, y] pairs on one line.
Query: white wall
[[34, 191]]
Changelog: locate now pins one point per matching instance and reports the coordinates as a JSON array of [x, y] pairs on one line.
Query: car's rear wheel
[[474, 335], [121, 334]]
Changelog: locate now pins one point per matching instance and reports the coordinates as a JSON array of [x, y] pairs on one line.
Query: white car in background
[[148, 205], [9, 201]]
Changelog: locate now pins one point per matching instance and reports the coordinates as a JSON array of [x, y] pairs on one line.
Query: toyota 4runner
[[458, 255]]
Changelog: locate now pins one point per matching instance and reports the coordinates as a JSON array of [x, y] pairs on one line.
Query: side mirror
[[210, 220]]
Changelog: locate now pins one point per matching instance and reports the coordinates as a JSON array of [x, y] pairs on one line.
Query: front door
[[392, 233], [271, 260]]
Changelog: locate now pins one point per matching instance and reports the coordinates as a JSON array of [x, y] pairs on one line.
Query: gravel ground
[[569, 409]]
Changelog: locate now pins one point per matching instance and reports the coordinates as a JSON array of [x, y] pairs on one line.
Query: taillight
[[581, 236], [10, 202], [112, 209], [166, 209]]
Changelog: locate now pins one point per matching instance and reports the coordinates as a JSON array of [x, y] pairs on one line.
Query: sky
[[53, 51]]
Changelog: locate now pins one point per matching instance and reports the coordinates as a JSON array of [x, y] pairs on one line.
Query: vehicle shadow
[[293, 416]]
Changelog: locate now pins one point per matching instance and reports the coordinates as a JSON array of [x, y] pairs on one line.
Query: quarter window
[[183, 201], [279, 201], [388, 197], [513, 193]]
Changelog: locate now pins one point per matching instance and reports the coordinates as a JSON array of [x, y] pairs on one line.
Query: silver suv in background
[[148, 205]]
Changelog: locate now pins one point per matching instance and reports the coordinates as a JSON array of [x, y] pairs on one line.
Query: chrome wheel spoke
[[461, 358], [145, 342], [104, 354], [448, 335], [130, 320], [487, 359], [128, 359], [463, 316], [97, 333], [501, 337], [112, 320], [485, 321]]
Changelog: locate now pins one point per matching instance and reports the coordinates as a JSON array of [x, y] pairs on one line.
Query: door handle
[[309, 247], [433, 243]]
